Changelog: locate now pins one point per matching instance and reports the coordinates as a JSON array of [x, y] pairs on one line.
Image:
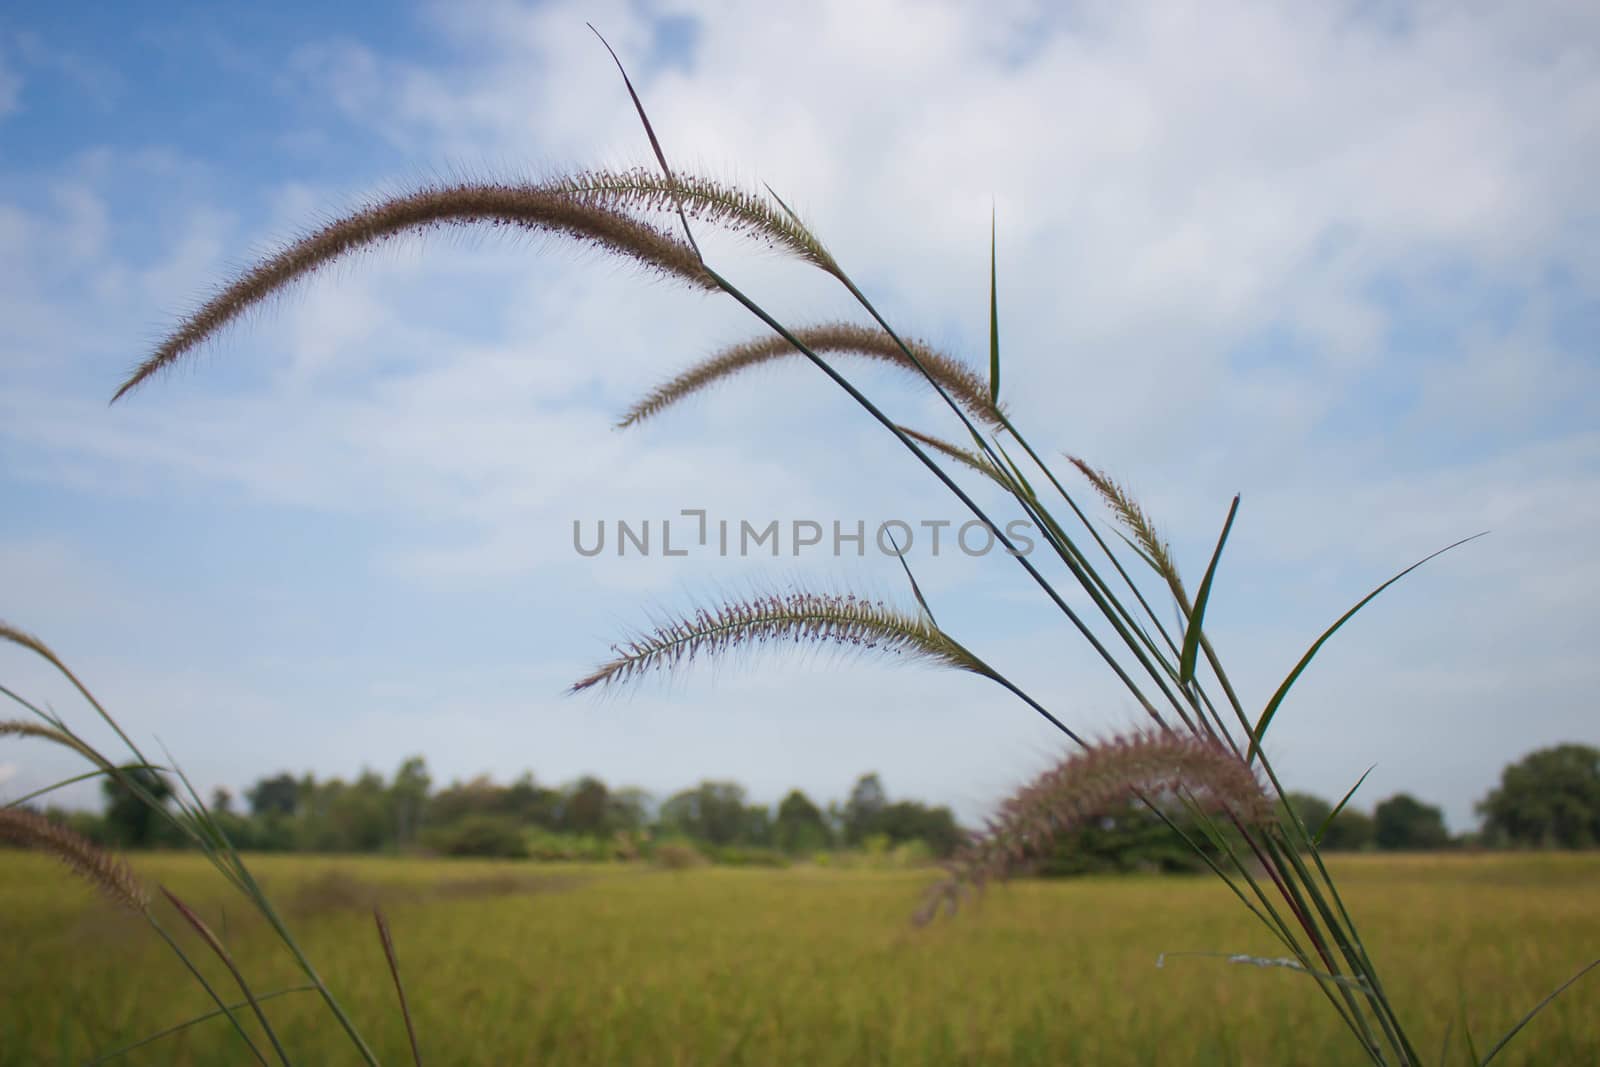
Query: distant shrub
[[677, 855], [911, 854], [478, 835], [748, 856]]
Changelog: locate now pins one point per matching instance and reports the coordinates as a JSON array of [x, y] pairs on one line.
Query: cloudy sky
[[1343, 259]]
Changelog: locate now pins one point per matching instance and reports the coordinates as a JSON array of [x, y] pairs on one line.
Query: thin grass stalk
[[1358, 944], [399, 986], [108, 873], [74, 780], [860, 398], [227, 856], [198, 1019], [1107, 604], [1354, 948], [222, 953], [39, 648], [962, 456], [927, 461], [1138, 595], [1291, 885], [1348, 1010], [220, 851], [123, 779], [1346, 941], [1269, 917], [861, 298], [1113, 609], [211, 992]]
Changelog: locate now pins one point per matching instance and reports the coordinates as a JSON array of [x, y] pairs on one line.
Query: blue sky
[[1345, 264]]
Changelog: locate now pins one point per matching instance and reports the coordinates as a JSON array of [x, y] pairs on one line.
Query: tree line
[[1550, 799], [585, 819]]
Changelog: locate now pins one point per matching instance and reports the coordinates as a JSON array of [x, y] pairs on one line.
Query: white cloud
[[1220, 228]]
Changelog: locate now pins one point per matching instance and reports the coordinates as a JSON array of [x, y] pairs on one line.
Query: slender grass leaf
[[1141, 553], [1191, 636], [17, 803], [1271, 709], [994, 319], [916, 590], [1268, 962], [399, 987], [1537, 1008], [655, 145], [169, 1031], [1466, 1027], [1016, 471], [1337, 808]]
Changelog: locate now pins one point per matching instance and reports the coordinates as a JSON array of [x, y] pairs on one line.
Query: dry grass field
[[515, 963]]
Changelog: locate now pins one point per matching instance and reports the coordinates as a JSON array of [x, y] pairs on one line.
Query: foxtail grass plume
[[704, 200], [965, 386], [799, 618], [964, 456], [23, 728], [1095, 782], [106, 872], [527, 207], [1134, 519]]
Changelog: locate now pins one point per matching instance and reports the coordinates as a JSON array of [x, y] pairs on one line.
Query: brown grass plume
[[1095, 782], [527, 207], [108, 873], [964, 385]]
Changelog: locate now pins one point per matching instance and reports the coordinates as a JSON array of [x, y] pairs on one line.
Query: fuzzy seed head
[[1089, 784], [965, 386], [108, 873], [797, 618]]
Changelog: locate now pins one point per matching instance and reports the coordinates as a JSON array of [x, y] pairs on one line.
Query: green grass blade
[[214, 1013], [994, 318], [1191, 636], [1271, 709], [916, 590], [650, 132], [399, 986], [1337, 808], [17, 803], [1537, 1008]]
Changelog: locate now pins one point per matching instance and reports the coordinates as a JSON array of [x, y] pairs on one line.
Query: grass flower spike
[[101, 869], [1146, 765], [798, 618], [964, 384]]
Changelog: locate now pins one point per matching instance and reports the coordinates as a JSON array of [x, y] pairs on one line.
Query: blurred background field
[[529, 963]]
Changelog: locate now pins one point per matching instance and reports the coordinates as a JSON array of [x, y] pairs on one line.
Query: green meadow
[[522, 963]]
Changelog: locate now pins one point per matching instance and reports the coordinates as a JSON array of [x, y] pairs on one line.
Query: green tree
[[588, 807], [1404, 823], [408, 798], [799, 827], [1350, 831], [279, 795], [864, 808], [712, 812], [129, 821], [1549, 798], [629, 810], [1312, 809]]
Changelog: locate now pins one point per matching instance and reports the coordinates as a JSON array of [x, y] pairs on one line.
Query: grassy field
[[511, 963]]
